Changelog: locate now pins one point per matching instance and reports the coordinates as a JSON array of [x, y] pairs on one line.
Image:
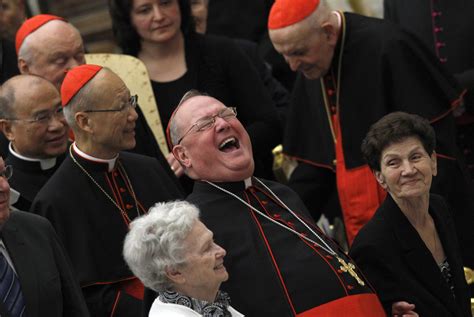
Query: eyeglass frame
[[40, 119], [211, 120], [132, 103], [7, 172]]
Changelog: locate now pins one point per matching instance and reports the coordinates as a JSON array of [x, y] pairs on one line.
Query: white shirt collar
[[45, 164], [248, 182], [110, 162]]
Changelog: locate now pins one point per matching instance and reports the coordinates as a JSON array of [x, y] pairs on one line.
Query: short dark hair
[[393, 128], [126, 35]]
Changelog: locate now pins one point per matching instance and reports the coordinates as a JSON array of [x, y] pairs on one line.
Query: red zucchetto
[[288, 12], [31, 25], [75, 79]]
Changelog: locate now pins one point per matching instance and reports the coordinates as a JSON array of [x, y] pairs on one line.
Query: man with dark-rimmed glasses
[[99, 189], [32, 120]]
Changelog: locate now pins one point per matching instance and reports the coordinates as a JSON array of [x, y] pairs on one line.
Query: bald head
[[14, 96], [50, 50], [31, 118]]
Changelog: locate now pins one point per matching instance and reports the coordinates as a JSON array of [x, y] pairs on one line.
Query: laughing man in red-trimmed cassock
[[98, 190], [279, 262]]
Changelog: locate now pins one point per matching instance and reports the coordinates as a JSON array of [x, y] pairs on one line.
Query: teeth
[[226, 141]]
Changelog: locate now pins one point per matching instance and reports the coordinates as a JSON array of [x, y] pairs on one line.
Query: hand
[[174, 164], [403, 309]]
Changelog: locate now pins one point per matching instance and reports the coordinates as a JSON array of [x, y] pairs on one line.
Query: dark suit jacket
[[47, 282], [400, 267]]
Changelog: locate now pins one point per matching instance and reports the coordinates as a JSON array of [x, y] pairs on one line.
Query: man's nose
[[221, 124], [293, 63]]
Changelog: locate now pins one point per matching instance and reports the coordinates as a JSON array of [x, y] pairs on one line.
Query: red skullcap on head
[[288, 12], [31, 25], [75, 79]]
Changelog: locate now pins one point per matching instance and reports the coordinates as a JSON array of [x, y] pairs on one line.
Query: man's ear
[[380, 179], [6, 128], [23, 66], [175, 275], [83, 122], [331, 32], [181, 155]]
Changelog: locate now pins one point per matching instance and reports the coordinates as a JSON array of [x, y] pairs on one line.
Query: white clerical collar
[[45, 164], [248, 182], [110, 162]]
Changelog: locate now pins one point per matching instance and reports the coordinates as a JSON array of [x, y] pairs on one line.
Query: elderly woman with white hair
[[173, 253]]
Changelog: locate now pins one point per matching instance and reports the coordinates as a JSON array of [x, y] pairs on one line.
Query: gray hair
[[26, 51], [155, 242], [80, 102], [174, 129], [7, 100]]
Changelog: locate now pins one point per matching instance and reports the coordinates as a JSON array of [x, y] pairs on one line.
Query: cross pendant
[[350, 268]]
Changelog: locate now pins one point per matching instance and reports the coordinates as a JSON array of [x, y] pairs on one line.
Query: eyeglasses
[[43, 117], [7, 172], [208, 122], [132, 102]]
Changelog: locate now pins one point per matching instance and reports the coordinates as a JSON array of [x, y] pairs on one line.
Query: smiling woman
[[173, 253], [409, 250]]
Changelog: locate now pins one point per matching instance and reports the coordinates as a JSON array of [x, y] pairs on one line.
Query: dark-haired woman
[[409, 250], [161, 33]]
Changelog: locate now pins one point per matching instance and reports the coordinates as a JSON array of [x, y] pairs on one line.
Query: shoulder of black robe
[[89, 225], [28, 178], [224, 72], [280, 96]]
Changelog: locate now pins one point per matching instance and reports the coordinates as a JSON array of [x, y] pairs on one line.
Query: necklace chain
[[124, 214], [323, 245], [338, 80]]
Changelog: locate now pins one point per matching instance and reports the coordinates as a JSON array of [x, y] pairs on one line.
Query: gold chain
[[124, 214], [338, 80]]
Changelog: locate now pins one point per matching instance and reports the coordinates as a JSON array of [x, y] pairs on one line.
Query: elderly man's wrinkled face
[[39, 129], [113, 130], [4, 195], [305, 49], [55, 47], [204, 270], [220, 152]]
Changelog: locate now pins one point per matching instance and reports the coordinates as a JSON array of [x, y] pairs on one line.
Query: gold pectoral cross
[[350, 268]]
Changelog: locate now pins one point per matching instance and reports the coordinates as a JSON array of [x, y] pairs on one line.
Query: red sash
[[359, 192], [361, 305]]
